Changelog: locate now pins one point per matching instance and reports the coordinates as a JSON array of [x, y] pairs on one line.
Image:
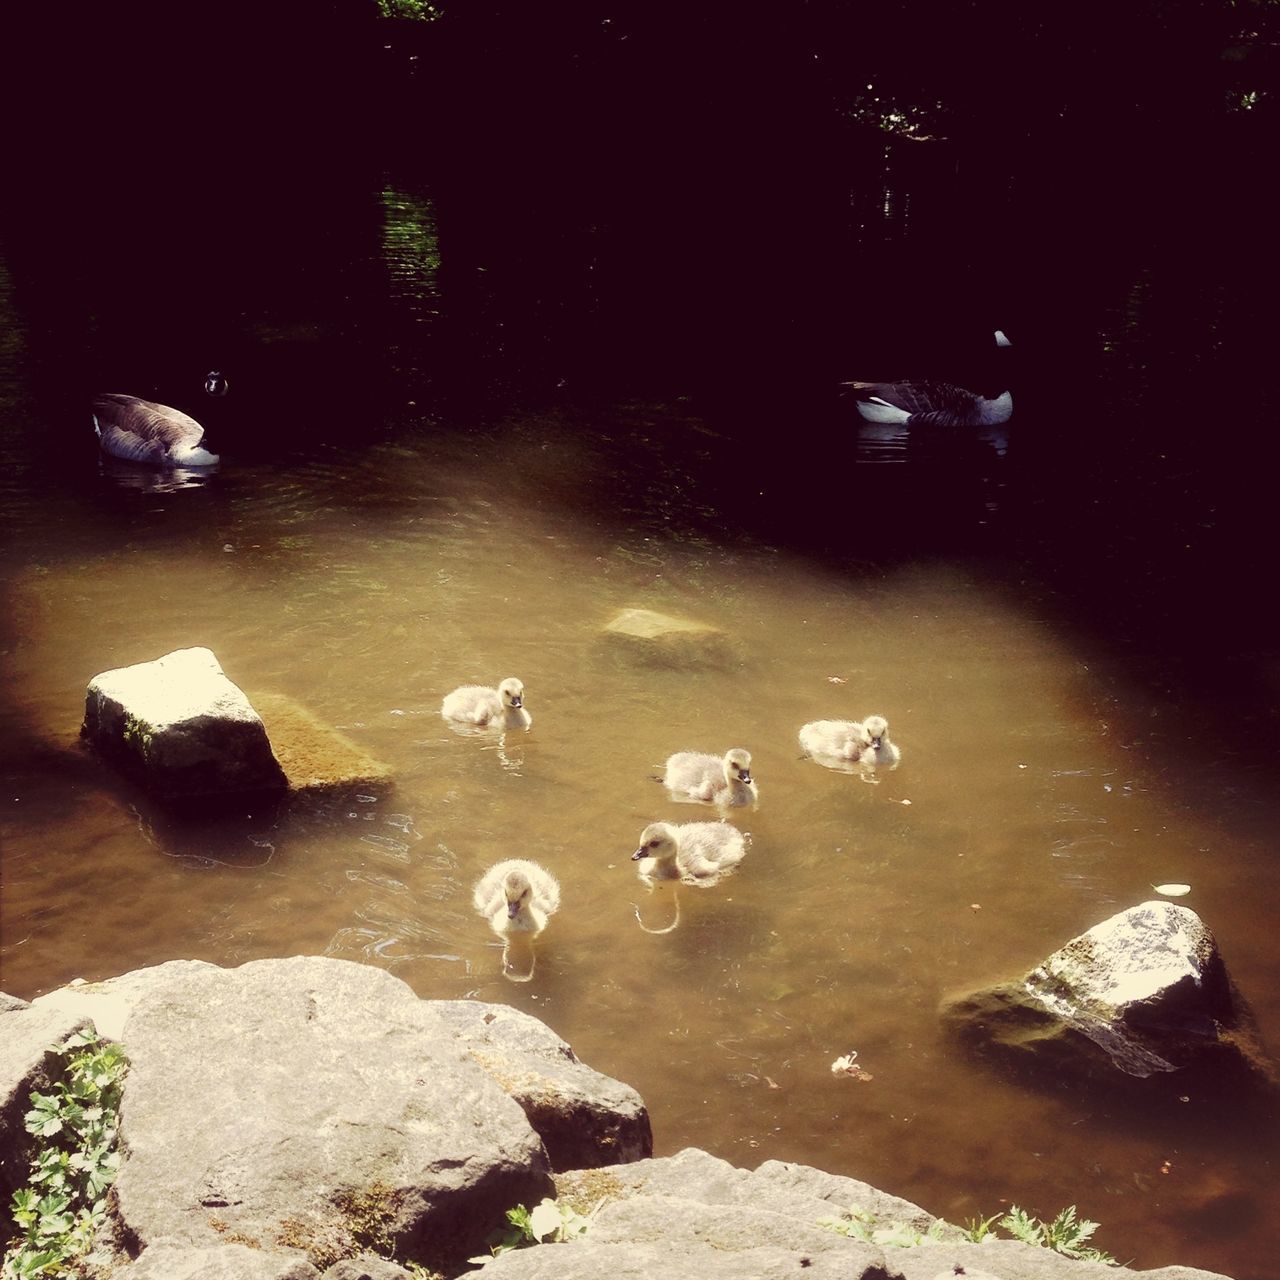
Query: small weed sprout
[[976, 1230]]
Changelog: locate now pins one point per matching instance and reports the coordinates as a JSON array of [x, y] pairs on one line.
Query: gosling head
[[512, 693], [518, 891], [657, 840], [877, 729], [737, 767]]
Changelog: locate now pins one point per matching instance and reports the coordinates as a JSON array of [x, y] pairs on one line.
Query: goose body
[[516, 896], [864, 742], [695, 852], [479, 705], [143, 431], [930, 403], [835, 739], [695, 775]]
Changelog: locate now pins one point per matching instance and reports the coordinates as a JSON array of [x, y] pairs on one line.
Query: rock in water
[[182, 729], [1145, 993]]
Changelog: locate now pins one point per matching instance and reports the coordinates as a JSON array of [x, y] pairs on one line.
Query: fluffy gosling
[[694, 775], [695, 852], [516, 896], [479, 705]]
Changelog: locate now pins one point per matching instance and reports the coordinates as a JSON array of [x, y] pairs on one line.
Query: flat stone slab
[[657, 639], [182, 729]]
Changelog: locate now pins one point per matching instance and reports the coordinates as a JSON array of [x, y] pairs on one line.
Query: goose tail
[[877, 410], [97, 429]]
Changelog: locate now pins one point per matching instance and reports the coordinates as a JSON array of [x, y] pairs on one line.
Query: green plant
[[64, 1202], [1066, 1234], [860, 1224], [976, 1230], [546, 1223]]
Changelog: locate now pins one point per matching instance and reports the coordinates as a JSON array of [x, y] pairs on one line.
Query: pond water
[[1041, 788]]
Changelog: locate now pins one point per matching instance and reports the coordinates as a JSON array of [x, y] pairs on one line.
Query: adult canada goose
[[143, 431], [516, 896], [478, 705], [929, 403], [694, 775], [695, 852]]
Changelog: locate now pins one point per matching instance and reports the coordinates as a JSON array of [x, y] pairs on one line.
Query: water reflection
[[665, 915], [131, 475]]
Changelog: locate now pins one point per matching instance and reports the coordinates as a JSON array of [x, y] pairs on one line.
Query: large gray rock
[[109, 1003], [586, 1259], [1145, 993], [312, 1105], [797, 1190], [695, 1215], [29, 1060], [585, 1119], [166, 1260], [182, 729], [659, 640]]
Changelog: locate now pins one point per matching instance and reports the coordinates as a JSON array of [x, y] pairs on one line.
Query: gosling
[[879, 749], [835, 739], [517, 896], [694, 775], [695, 852], [479, 705]]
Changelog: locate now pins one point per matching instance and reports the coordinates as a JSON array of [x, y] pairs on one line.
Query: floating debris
[[848, 1066], [1172, 890]]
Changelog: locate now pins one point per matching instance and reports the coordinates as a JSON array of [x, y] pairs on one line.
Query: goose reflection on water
[[152, 480]]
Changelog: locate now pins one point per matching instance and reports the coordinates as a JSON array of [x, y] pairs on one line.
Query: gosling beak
[[639, 853], [513, 909], [517, 701], [745, 775]]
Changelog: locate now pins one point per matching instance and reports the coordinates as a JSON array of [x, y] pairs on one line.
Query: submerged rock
[[1144, 993], [657, 639], [182, 729], [315, 757]]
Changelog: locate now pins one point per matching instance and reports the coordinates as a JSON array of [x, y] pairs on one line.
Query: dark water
[[491, 383]]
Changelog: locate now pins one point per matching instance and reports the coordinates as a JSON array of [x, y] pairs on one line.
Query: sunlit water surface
[[1026, 807]]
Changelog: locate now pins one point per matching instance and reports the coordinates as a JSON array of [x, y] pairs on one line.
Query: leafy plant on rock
[[64, 1202], [546, 1223], [1066, 1234]]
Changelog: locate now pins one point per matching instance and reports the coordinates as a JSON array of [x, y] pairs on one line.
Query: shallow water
[[1030, 803]]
